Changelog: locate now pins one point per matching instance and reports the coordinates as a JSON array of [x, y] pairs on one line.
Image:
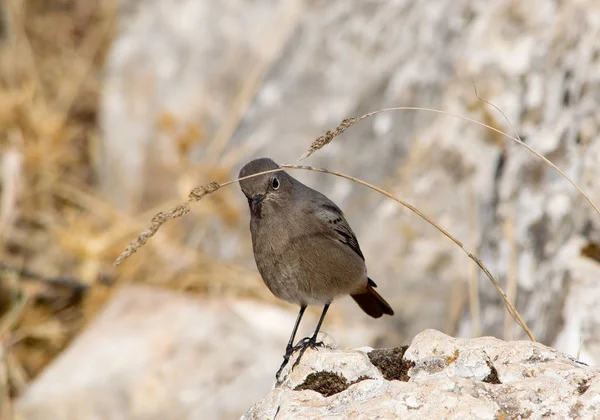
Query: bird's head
[[267, 190]]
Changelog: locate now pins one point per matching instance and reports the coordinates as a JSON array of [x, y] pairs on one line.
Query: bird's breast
[[302, 265]]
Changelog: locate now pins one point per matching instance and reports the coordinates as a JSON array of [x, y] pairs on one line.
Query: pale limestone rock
[[446, 378]]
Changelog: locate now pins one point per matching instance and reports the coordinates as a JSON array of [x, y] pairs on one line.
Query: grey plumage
[[304, 248]]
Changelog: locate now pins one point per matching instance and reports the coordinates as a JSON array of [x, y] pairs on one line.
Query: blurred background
[[111, 111]]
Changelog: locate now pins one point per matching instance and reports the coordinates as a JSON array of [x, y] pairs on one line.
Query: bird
[[304, 248]]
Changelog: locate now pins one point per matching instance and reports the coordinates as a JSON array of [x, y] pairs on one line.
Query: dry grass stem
[[511, 275], [322, 141], [509, 306], [473, 278], [199, 192], [157, 221], [539, 155], [161, 218], [179, 210]]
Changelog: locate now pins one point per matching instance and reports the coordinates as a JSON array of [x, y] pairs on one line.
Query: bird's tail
[[371, 302]]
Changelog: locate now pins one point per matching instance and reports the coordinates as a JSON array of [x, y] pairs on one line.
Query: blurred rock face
[[294, 69]]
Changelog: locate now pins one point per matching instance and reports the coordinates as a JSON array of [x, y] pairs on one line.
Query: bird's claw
[[306, 342]]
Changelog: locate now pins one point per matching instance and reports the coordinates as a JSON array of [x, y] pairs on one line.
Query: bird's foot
[[306, 342]]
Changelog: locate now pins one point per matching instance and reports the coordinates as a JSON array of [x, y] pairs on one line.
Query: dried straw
[[161, 218], [199, 192], [322, 141], [509, 306]]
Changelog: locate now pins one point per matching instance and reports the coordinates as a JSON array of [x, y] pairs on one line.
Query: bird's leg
[[312, 341], [290, 346]]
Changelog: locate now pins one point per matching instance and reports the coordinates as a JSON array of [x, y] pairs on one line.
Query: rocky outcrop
[[436, 377]]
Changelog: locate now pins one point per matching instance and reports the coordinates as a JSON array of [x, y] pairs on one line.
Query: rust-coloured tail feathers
[[372, 303]]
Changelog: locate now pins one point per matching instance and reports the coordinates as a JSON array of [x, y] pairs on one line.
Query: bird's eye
[[275, 183]]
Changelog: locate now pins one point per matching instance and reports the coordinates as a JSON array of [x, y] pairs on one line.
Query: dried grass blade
[[161, 218], [322, 141], [199, 192], [510, 307]]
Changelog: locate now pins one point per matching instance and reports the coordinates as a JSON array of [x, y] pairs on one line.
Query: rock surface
[[157, 355], [436, 377]]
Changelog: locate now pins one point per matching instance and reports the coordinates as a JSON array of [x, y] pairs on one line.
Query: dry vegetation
[[58, 237], [49, 81]]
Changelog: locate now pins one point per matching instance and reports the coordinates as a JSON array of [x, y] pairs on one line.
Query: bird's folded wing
[[336, 223]]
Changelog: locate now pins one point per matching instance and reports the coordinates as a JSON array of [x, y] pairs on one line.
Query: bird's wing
[[333, 217]]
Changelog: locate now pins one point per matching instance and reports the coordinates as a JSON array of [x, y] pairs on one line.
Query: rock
[[153, 354], [436, 377]]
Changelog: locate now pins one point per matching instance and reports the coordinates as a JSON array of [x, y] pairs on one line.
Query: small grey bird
[[305, 251]]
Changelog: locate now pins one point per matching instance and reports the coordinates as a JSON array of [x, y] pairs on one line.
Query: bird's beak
[[257, 199]]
